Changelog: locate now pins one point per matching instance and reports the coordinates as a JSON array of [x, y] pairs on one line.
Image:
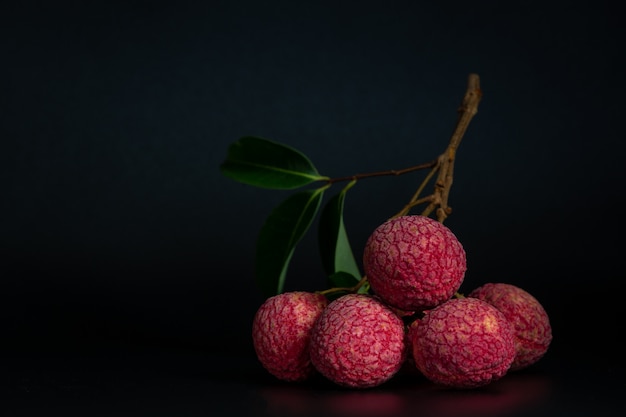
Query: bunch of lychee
[[415, 317]]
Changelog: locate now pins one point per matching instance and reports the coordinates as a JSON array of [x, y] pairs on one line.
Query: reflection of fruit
[[463, 343], [281, 333], [371, 403], [358, 342], [414, 262], [533, 333], [515, 395]]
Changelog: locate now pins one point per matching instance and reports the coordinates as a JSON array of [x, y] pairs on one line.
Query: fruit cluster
[[414, 319]]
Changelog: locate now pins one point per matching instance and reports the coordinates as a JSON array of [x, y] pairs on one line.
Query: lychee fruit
[[281, 333], [358, 342], [463, 343], [531, 325], [414, 262]]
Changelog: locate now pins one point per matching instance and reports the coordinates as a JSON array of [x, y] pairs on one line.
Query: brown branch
[[445, 162], [438, 200], [391, 172], [415, 200], [443, 165], [467, 111], [363, 281]]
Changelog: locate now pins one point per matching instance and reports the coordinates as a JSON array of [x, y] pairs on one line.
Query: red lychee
[[281, 333], [358, 342], [531, 325], [414, 262], [463, 343]]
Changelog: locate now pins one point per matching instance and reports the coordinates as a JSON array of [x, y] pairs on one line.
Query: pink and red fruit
[[281, 333], [463, 343], [358, 342], [414, 262], [531, 325]]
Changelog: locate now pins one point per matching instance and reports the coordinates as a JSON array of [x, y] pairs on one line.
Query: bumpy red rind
[[531, 324], [358, 342], [414, 262], [281, 333], [463, 343]]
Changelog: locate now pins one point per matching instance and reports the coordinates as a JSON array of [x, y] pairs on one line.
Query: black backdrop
[[117, 228]]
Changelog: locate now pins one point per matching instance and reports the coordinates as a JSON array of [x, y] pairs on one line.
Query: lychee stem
[[415, 201], [352, 289], [445, 162], [390, 172], [444, 165]]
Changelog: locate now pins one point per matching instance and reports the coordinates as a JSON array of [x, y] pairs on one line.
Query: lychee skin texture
[[358, 342], [281, 333], [463, 343], [531, 324], [414, 262]]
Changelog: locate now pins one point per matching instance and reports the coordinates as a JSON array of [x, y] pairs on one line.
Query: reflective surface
[[406, 398], [158, 383]]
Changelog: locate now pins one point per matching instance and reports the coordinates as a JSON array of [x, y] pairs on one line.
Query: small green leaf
[[364, 289], [280, 233], [268, 164], [333, 240]]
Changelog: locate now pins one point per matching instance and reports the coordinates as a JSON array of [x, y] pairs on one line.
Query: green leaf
[[267, 164], [364, 289], [334, 246], [280, 233]]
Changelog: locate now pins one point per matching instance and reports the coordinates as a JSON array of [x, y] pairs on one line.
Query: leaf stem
[[391, 172], [352, 289]]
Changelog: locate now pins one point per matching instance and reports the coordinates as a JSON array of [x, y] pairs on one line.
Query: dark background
[[118, 230]]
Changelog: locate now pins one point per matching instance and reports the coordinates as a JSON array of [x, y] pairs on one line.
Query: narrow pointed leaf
[[364, 289], [334, 246], [268, 164], [279, 235]]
